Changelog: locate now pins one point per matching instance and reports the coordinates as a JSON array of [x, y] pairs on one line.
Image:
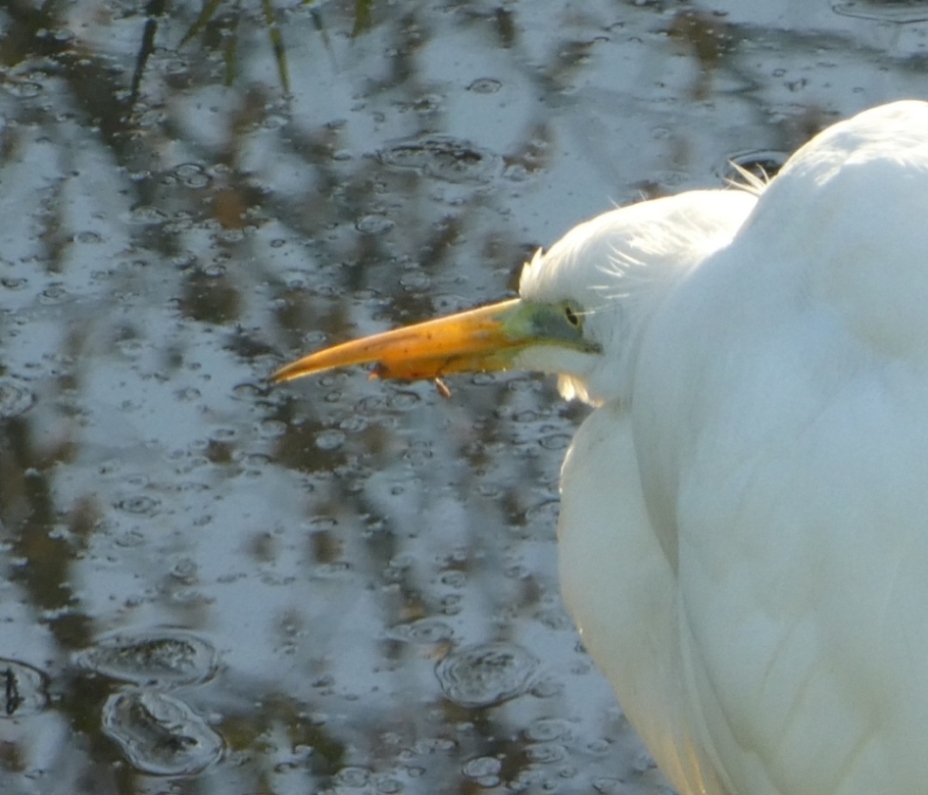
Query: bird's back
[[781, 427]]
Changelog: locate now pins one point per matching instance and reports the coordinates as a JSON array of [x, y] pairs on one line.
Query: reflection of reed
[[229, 41], [31, 520], [225, 15]]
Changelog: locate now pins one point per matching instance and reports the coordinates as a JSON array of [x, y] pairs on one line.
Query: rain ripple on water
[[160, 734], [14, 398], [898, 11], [486, 674], [24, 689], [157, 658], [425, 631], [442, 157]]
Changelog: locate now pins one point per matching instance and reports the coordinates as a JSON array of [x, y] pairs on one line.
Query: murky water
[[339, 586]]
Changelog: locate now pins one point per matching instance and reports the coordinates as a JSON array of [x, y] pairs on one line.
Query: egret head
[[609, 275], [582, 304]]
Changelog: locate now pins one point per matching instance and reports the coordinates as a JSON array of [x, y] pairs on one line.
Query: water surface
[[209, 586]]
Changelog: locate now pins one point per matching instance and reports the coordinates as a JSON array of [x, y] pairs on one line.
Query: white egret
[[743, 537]]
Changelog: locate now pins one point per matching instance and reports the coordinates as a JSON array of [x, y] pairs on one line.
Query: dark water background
[[208, 586]]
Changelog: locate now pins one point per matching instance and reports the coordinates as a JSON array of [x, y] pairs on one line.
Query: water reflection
[[175, 223]]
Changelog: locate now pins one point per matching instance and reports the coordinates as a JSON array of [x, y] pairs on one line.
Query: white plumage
[[744, 527]]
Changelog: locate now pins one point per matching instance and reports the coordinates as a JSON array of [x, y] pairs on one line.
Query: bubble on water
[[129, 539], [388, 786], [331, 570], [374, 224], [898, 11], [272, 429], [425, 630], [55, 293], [451, 604], [23, 89], [599, 747], [432, 745], [485, 85], [160, 734], [486, 674], [23, 689], [453, 579], [61, 35], [484, 770], [547, 688], [398, 400], [193, 175], [543, 514], [545, 730], [372, 405], [403, 400], [330, 439], [157, 658], [15, 398], [427, 104], [416, 280], [555, 441], [546, 753], [353, 423], [145, 215], [185, 570], [352, 777], [141, 505], [246, 391]]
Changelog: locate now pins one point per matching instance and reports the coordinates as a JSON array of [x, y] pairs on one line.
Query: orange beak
[[478, 340]]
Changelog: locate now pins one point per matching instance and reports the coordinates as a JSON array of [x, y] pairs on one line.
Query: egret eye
[[573, 317]]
